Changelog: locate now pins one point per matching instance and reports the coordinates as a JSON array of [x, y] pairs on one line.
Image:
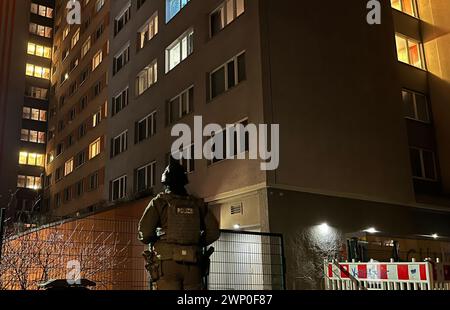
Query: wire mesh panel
[[107, 251], [247, 261]]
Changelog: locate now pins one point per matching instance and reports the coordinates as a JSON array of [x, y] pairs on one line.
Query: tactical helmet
[[175, 175]]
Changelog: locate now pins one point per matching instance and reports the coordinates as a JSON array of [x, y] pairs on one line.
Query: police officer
[[177, 226]]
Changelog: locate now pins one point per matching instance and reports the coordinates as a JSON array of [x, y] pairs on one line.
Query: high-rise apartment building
[[78, 110], [26, 41], [362, 111]]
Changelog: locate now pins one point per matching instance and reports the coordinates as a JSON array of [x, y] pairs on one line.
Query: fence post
[[2, 229]]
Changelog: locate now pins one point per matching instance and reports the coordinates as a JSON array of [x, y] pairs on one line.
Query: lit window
[[147, 78], [97, 118], [179, 50], [225, 14], [31, 159], [86, 46], [40, 30], [409, 51], [30, 182], [39, 50], [96, 61], [416, 106], [37, 71], [32, 136], [173, 7], [66, 32], [94, 148], [98, 5], [75, 38], [423, 164], [41, 10], [149, 30], [68, 167], [34, 114], [406, 6]]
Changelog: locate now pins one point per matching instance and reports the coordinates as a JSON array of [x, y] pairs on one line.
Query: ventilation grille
[[237, 209]]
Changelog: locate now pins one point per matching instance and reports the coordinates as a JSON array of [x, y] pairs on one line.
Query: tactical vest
[[183, 221]]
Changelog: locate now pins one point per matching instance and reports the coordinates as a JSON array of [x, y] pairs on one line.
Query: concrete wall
[[299, 216], [436, 37], [333, 86]]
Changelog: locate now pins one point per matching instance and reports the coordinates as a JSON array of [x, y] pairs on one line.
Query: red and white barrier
[[380, 276]]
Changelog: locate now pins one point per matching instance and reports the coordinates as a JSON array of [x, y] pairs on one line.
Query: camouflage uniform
[[178, 227]]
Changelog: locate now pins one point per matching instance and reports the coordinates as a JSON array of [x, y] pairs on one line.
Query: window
[[84, 75], [98, 5], [410, 51], [73, 64], [98, 58], [179, 50], [80, 159], [149, 30], [34, 114], [57, 200], [29, 182], [79, 189], [241, 142], [119, 188], [97, 118], [225, 14], [181, 105], [406, 6], [146, 177], [94, 148], [188, 164], [140, 3], [120, 102], [145, 128], [416, 106], [39, 50], [48, 181], [31, 159], [75, 38], [121, 59], [40, 30], [83, 102], [119, 144], [41, 10], [66, 32], [423, 164], [122, 19], [97, 88], [68, 167], [147, 78], [37, 71], [37, 92], [93, 181], [81, 131], [228, 75], [32, 136], [173, 7], [59, 149], [58, 174], [99, 32], [67, 194], [86, 46]]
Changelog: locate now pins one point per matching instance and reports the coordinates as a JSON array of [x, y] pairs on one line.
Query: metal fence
[[107, 252]]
